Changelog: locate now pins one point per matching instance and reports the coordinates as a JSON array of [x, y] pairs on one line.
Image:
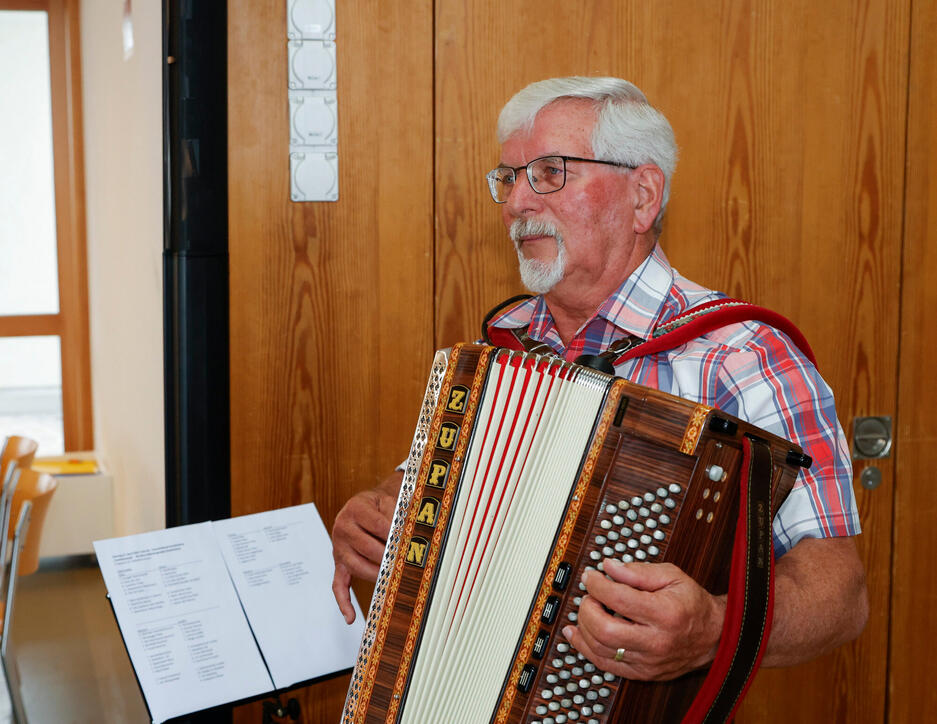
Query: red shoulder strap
[[711, 316]]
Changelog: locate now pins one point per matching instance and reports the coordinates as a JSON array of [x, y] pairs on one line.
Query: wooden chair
[[30, 493], [17, 452]]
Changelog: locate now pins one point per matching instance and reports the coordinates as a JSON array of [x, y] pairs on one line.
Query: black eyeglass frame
[[516, 169]]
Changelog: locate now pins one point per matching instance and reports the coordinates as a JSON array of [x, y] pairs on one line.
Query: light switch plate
[[313, 118], [314, 176], [311, 65], [310, 19]]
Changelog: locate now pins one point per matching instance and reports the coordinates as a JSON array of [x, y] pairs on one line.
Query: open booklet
[[223, 611]]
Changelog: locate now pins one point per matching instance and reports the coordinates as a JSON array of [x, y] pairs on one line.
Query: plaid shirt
[[749, 370]]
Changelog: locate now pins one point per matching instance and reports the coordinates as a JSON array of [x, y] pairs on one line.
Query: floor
[[72, 662]]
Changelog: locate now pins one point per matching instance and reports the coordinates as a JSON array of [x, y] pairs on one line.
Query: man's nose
[[523, 199]]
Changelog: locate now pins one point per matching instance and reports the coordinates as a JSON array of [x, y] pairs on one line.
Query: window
[[44, 348]]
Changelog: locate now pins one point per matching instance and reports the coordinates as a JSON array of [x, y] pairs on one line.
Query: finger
[[580, 642], [642, 576], [352, 544], [355, 564], [628, 589], [605, 633], [341, 587]]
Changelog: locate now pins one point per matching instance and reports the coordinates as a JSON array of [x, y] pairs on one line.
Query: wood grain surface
[[331, 303], [792, 121], [912, 695]]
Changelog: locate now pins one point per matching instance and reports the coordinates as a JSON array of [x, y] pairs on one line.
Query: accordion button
[[608, 677], [631, 515], [610, 508], [613, 535], [562, 576], [550, 609], [552, 679], [636, 500], [645, 539], [606, 524], [596, 679], [659, 535], [546, 694], [640, 555], [540, 645], [557, 664], [607, 551], [600, 540], [649, 497], [573, 616], [565, 675], [670, 503], [591, 695], [638, 528], [559, 690], [595, 555], [643, 512], [526, 679], [560, 719], [650, 523], [598, 708], [674, 488], [541, 710], [653, 550], [570, 660], [623, 505], [620, 548], [586, 710], [562, 647], [577, 671], [665, 519], [662, 493], [618, 520], [589, 667], [628, 558], [657, 508], [574, 715], [566, 703]]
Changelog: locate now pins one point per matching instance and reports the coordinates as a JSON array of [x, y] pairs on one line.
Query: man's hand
[[666, 623], [359, 536]]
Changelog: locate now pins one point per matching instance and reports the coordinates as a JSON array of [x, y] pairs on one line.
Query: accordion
[[524, 472]]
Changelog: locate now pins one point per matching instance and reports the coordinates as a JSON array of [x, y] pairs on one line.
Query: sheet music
[[181, 620], [281, 564]]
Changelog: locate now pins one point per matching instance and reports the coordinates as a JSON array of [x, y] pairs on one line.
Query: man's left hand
[[665, 623]]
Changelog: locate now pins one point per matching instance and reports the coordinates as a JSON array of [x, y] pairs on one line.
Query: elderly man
[[583, 182]]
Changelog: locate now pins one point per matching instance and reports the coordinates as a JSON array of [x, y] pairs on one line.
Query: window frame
[[70, 324]]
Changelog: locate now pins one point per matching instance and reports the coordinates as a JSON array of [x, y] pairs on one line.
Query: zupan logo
[[457, 398]]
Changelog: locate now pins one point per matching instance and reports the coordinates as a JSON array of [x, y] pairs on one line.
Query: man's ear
[[649, 194]]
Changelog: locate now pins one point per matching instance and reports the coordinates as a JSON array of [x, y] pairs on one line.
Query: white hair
[[628, 130], [539, 276]]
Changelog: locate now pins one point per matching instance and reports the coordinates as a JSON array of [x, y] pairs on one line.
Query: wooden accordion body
[[524, 472]]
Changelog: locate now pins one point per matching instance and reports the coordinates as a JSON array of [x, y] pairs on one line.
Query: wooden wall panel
[[912, 695], [789, 192], [331, 303]]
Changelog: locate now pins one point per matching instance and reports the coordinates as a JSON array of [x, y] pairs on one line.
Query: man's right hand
[[359, 536]]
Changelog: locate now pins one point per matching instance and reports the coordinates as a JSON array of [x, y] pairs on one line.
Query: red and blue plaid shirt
[[749, 370]]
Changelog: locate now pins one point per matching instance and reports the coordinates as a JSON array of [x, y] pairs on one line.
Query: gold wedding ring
[[619, 655]]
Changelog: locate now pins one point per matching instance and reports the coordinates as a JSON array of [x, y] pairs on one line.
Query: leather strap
[[750, 600]]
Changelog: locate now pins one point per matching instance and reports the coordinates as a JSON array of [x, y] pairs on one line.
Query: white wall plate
[[310, 19], [314, 176], [311, 64]]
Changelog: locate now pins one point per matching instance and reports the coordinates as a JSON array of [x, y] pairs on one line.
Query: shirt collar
[[635, 307]]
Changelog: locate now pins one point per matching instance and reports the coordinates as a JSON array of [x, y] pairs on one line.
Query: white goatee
[[539, 276]]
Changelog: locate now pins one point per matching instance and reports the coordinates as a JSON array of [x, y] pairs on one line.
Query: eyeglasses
[[546, 175]]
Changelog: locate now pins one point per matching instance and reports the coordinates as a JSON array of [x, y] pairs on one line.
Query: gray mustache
[[531, 227]]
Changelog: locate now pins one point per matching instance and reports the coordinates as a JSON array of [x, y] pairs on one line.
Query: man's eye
[[553, 170]]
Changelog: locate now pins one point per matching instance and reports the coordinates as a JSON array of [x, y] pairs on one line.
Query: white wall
[[123, 170]]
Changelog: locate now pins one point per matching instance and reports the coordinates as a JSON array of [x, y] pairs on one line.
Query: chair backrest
[[19, 450], [38, 488]]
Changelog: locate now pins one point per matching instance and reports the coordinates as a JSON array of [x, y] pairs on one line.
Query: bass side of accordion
[[479, 550]]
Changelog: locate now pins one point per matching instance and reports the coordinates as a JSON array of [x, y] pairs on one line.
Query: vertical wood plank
[[912, 696], [331, 303]]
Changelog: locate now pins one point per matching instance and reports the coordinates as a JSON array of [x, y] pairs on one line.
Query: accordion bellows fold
[[524, 472]]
